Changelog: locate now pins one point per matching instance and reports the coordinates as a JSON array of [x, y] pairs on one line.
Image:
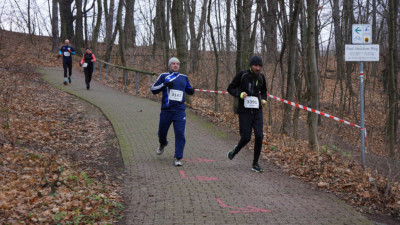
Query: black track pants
[[247, 122], [67, 64], [88, 74]]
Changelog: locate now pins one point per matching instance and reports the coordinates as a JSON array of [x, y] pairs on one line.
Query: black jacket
[[252, 84]]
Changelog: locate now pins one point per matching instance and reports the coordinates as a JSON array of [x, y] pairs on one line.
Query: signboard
[[361, 34], [361, 53]]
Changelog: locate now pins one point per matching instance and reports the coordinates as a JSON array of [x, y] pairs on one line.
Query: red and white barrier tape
[[219, 92], [302, 107]]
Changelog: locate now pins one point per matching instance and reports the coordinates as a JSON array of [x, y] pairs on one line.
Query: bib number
[[175, 95], [84, 65], [251, 102], [67, 54]]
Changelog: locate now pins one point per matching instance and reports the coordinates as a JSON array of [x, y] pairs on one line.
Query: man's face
[[66, 42], [256, 69], [174, 67]]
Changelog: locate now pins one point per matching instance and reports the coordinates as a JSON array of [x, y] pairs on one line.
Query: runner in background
[[66, 52], [87, 62], [173, 86], [250, 87]]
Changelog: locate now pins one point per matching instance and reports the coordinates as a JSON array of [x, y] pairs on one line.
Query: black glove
[[169, 84]]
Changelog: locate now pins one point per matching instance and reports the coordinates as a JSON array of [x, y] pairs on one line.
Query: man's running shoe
[[256, 168], [177, 162], [160, 150], [65, 81], [69, 79], [232, 153]]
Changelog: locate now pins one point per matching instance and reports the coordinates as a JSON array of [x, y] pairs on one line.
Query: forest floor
[[332, 169]]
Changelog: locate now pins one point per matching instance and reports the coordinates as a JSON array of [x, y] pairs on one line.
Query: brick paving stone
[[157, 194]]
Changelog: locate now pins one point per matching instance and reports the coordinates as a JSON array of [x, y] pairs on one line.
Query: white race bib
[[251, 102], [67, 54], [175, 95], [84, 65]]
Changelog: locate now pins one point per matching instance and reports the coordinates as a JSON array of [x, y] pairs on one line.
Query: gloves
[[169, 84], [263, 102], [243, 95], [80, 64], [59, 56]]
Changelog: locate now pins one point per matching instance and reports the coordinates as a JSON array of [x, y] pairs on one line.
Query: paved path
[[208, 189]]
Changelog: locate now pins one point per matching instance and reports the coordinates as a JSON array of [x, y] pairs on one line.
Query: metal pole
[[362, 114], [137, 82], [125, 79], [100, 70], [115, 76], [107, 73], [94, 68], [151, 81]]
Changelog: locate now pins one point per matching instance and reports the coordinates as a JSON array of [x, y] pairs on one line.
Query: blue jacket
[[173, 99], [65, 53]]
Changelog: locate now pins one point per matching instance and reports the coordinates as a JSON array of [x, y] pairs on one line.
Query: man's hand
[[69, 50], [80, 64], [243, 95], [59, 56], [264, 102], [169, 84]]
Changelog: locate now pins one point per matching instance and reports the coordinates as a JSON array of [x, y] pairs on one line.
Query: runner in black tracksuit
[[66, 53], [87, 62], [251, 89]]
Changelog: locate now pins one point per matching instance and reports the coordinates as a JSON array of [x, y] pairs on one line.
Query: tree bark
[[216, 57], [178, 26], [78, 27], [195, 39], [312, 61], [67, 20], [54, 26], [96, 30], [130, 31], [292, 50], [392, 119], [109, 39]]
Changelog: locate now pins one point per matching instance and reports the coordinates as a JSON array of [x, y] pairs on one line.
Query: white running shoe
[[177, 162]]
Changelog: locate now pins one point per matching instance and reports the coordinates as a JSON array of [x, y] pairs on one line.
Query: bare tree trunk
[[67, 19], [178, 26], [118, 26], [339, 48], [130, 31], [96, 30], [109, 15], [392, 119], [216, 56], [195, 39], [292, 50], [312, 61], [54, 26], [228, 38], [29, 22], [78, 27]]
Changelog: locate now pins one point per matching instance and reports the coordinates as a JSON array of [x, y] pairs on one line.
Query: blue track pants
[[179, 120]]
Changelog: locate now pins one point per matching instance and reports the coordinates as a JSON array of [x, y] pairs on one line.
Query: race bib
[[251, 102], [175, 95], [67, 54], [84, 65]]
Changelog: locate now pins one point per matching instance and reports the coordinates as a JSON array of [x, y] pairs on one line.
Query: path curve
[[208, 189]]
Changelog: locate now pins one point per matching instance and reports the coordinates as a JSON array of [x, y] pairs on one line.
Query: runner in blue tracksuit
[[173, 86], [66, 52]]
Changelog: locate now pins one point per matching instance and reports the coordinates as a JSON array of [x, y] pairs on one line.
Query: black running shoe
[[160, 150], [232, 153], [256, 168]]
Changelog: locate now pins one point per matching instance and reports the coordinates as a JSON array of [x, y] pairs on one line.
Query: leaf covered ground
[[59, 157]]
